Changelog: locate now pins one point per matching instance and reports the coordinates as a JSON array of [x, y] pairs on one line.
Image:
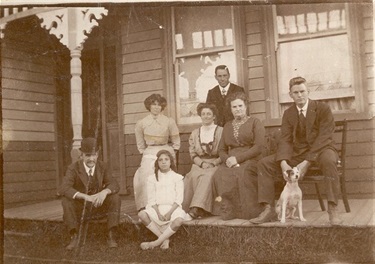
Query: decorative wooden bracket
[[2, 27], [72, 25]]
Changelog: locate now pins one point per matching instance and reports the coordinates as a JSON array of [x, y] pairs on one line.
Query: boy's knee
[[328, 163], [266, 161]]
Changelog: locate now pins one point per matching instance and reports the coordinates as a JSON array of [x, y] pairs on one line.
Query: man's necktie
[[89, 183], [302, 122], [223, 92], [92, 184]]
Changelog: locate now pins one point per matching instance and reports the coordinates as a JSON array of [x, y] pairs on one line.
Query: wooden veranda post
[[72, 26]]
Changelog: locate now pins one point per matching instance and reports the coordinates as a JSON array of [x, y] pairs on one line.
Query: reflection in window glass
[[196, 77], [324, 62], [313, 42], [197, 26], [203, 40], [307, 19]]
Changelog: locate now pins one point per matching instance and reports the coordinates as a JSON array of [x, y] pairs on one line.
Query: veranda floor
[[362, 214]]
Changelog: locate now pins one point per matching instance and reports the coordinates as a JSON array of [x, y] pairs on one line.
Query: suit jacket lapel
[[230, 89], [218, 94], [99, 175], [295, 120], [82, 173], [310, 115]]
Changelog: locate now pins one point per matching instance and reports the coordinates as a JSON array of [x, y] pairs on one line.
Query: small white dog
[[290, 198]]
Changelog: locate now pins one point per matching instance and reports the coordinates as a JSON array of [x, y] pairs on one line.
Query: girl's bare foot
[[165, 244]]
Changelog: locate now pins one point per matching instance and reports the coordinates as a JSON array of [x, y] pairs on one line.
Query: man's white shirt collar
[[304, 108], [226, 88], [87, 169]]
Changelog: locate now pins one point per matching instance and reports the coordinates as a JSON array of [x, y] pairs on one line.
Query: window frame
[[170, 58], [273, 108]]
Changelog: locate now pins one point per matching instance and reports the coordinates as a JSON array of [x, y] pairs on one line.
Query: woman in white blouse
[[203, 148], [152, 134]]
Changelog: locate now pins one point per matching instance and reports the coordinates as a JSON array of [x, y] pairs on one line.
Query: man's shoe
[[268, 215], [73, 242], [194, 212], [111, 240], [333, 216]]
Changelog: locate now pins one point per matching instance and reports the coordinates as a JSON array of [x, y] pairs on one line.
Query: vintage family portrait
[[187, 132]]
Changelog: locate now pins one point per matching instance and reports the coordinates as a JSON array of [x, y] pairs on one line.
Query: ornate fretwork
[[2, 27], [72, 25]]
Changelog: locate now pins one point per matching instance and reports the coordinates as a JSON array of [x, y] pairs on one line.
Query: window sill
[[276, 122], [348, 116]]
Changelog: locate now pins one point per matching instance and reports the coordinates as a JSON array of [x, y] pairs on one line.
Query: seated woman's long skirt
[[198, 188], [236, 191]]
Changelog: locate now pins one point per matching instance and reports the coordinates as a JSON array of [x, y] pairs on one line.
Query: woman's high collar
[[209, 127]]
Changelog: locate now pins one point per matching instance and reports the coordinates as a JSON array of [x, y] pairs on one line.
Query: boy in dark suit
[[218, 94], [89, 180], [306, 137]]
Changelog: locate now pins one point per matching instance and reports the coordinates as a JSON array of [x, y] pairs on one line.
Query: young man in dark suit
[[218, 94], [89, 180], [306, 138]]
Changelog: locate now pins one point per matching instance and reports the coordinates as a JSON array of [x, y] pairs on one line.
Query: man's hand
[[86, 197], [284, 167], [303, 167], [99, 198]]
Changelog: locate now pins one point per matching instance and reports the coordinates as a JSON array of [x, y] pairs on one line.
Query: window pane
[[195, 77], [203, 28], [326, 65], [294, 20], [324, 62]]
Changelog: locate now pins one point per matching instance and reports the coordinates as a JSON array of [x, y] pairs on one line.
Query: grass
[[39, 242]]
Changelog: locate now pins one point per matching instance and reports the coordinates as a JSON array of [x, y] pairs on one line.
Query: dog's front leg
[[283, 211], [300, 213], [292, 212]]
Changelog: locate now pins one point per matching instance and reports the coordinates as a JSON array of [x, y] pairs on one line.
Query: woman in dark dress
[[240, 149]]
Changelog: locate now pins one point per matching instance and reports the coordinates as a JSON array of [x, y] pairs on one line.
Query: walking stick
[[86, 212], [83, 225]]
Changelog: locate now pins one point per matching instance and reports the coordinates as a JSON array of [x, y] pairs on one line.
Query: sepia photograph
[[187, 131]]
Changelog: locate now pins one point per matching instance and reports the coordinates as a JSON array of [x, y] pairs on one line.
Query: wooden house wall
[[142, 73], [146, 62], [28, 109], [256, 61], [367, 23], [361, 139]]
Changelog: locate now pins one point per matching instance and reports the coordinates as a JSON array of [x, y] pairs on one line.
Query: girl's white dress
[[152, 135], [169, 189]]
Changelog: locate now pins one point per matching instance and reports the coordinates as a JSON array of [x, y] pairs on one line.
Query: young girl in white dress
[[163, 214]]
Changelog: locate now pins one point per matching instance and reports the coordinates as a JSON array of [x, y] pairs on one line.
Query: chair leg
[[321, 202], [344, 196]]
